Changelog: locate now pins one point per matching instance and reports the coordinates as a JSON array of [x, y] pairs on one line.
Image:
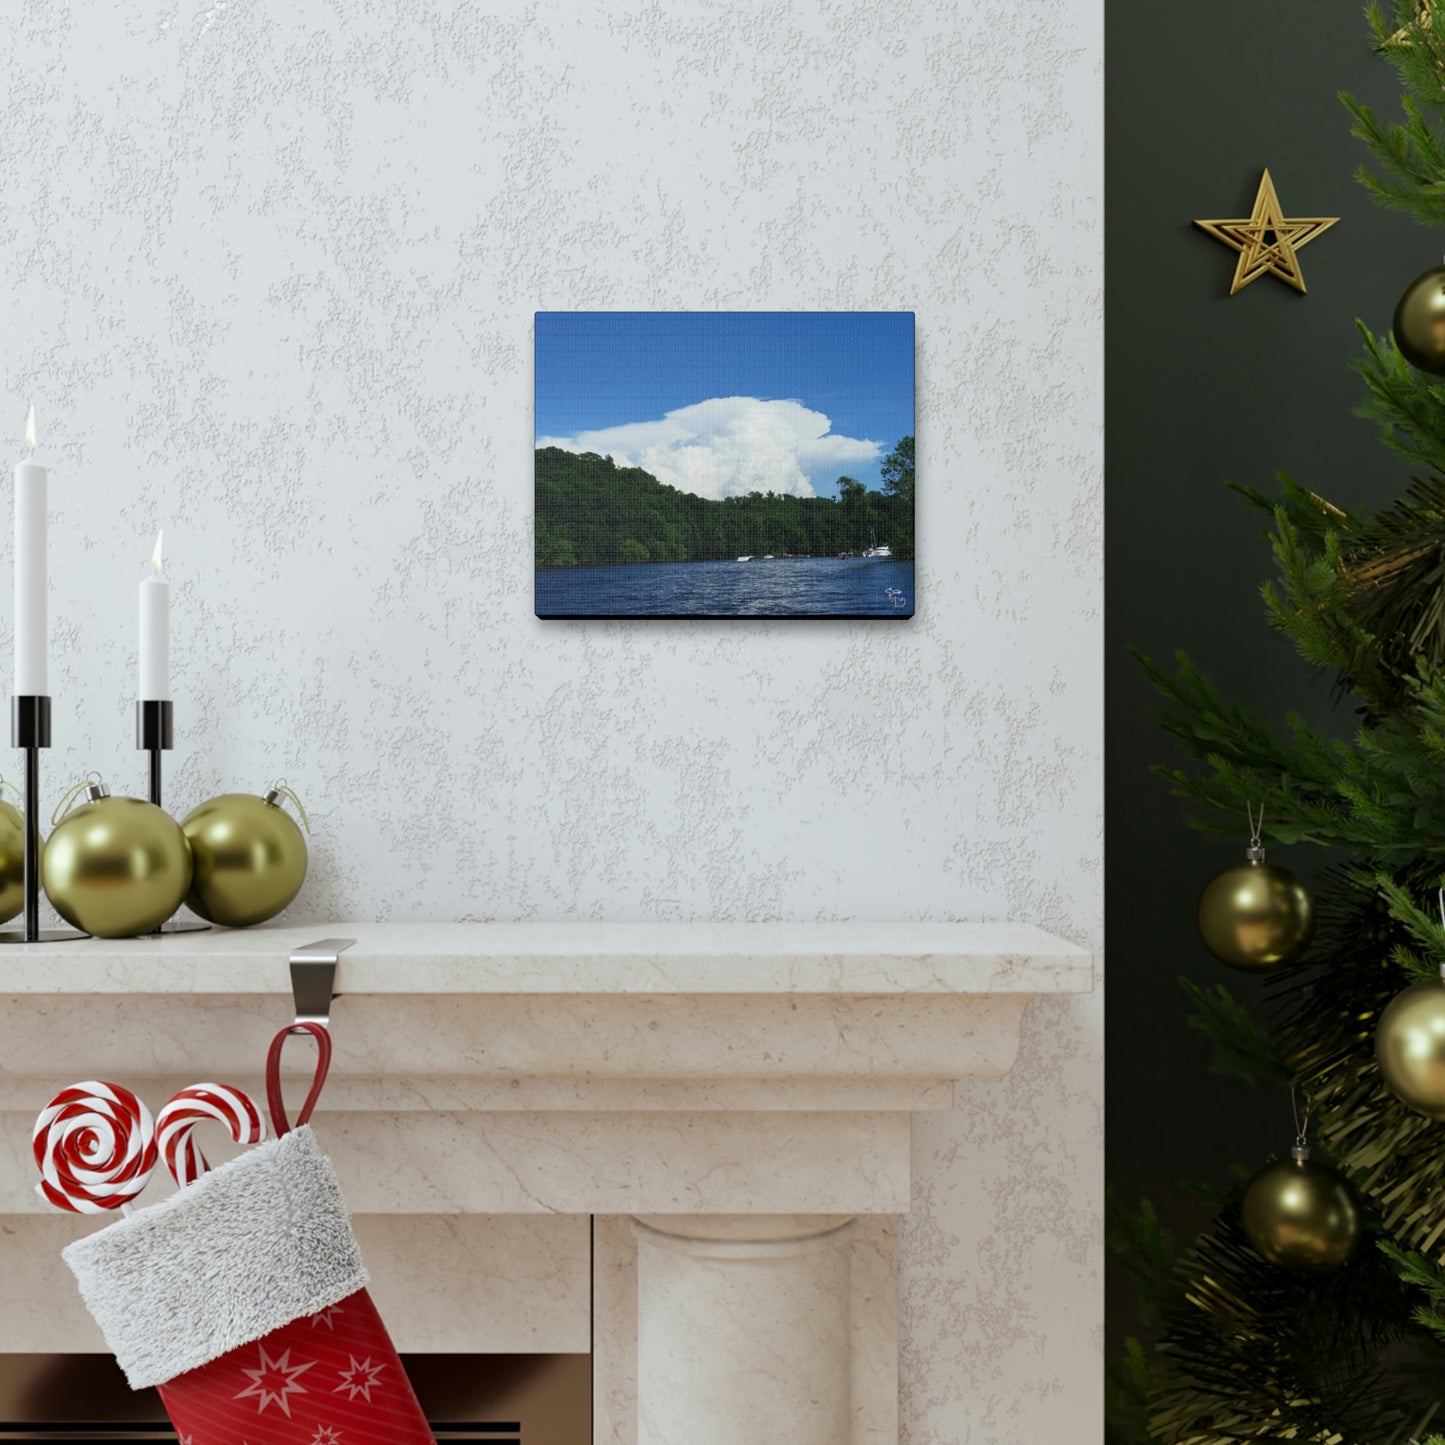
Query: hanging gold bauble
[[115, 867], [1301, 1214], [250, 857], [12, 860], [1410, 1047], [1255, 915], [1419, 325]]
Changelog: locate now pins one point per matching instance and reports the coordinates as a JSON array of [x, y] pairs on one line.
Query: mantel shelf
[[856, 959], [615, 1068]]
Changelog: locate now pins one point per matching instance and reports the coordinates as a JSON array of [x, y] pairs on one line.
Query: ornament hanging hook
[[91, 780], [1440, 898], [1301, 1129], [1256, 833], [279, 790]]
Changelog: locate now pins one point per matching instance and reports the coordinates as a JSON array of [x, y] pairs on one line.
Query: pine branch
[[1409, 165], [1308, 512], [1126, 1398], [1255, 1353], [1150, 1255], [1423, 1275], [1315, 603], [1408, 405], [1421, 963], [1391, 579], [1145, 1248], [1377, 795], [1242, 1049]]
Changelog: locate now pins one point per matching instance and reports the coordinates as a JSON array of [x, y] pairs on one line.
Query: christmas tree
[[1248, 1348]]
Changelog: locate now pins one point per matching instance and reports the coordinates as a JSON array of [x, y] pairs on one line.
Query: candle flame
[[156, 555], [30, 428]]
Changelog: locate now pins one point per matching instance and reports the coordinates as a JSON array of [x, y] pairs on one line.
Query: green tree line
[[593, 513]]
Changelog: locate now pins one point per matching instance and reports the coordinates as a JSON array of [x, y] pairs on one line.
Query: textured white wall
[[269, 275]]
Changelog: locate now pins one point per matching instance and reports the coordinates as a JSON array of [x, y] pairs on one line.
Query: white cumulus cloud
[[729, 446]]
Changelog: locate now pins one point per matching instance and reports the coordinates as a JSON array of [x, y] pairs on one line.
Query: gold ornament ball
[[250, 859], [1256, 916], [1410, 1047], [1301, 1215], [116, 867], [12, 861], [1420, 322]]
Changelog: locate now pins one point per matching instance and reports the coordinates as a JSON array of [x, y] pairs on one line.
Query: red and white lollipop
[[204, 1104], [95, 1146]]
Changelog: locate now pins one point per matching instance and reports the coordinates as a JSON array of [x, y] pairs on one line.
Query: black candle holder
[[30, 730], [155, 734]]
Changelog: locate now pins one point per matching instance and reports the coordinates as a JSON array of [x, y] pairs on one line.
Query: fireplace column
[[743, 1329]]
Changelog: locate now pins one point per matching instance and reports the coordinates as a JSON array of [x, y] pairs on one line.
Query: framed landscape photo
[[724, 464]]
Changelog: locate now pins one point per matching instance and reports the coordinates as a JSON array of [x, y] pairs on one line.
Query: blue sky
[[620, 375]]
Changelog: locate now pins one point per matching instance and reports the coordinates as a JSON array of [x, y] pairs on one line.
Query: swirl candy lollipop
[[95, 1146], [200, 1104]]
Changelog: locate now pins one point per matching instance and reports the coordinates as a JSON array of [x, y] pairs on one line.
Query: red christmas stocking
[[243, 1298]]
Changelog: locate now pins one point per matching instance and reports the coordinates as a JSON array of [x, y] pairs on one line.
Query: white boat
[[875, 550], [745, 559], [767, 556]]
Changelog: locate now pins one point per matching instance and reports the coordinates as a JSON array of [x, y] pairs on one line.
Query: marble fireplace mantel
[[732, 1101]]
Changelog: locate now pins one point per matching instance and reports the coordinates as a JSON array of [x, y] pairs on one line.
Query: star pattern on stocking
[[326, 1435], [359, 1378], [326, 1317], [273, 1382]]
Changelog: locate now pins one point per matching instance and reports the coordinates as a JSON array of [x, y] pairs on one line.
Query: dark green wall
[[1204, 388]]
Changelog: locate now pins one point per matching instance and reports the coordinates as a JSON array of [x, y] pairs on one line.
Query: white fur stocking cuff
[[249, 1247]]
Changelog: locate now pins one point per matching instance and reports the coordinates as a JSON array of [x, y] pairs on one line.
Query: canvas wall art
[[724, 464]]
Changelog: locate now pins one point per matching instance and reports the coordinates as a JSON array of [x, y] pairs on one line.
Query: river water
[[784, 587]]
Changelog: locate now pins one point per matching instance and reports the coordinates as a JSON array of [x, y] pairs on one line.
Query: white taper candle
[[30, 582], [155, 632]]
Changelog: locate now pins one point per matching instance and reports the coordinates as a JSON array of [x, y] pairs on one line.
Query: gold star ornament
[[1409, 32], [1268, 242]]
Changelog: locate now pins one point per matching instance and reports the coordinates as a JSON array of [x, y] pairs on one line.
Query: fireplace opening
[[501, 1399]]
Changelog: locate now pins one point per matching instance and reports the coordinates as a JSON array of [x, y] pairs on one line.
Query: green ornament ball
[[12, 861], [1410, 1047], [115, 867], [1301, 1214], [1419, 325], [250, 858], [1256, 916]]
